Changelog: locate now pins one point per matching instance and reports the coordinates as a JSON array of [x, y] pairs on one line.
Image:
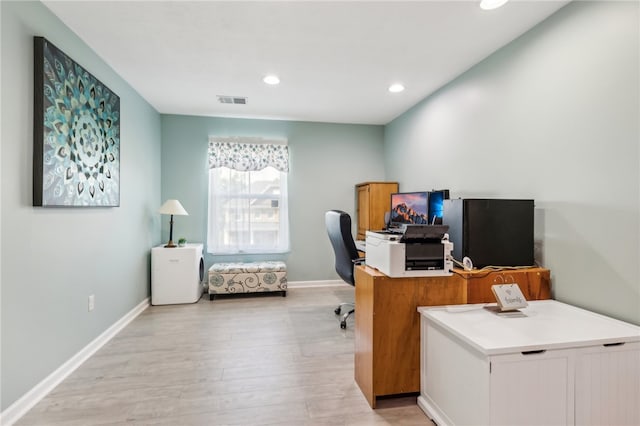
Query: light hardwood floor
[[233, 361]]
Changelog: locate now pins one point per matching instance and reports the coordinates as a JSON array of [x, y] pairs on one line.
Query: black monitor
[[436, 205]]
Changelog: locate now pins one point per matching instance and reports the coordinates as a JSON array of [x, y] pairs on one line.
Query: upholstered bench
[[247, 277]]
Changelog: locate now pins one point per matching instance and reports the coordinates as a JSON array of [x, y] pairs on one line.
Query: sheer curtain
[[248, 203]]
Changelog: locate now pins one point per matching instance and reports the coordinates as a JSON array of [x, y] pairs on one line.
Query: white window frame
[[216, 223]]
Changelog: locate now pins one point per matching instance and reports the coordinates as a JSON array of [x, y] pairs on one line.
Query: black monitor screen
[[436, 205], [409, 207]]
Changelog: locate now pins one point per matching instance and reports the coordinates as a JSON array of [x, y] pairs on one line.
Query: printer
[[410, 251]]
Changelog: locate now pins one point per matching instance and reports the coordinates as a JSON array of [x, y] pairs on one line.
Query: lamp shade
[[173, 207]]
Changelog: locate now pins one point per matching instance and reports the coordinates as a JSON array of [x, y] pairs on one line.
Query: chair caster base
[[343, 325], [337, 310]]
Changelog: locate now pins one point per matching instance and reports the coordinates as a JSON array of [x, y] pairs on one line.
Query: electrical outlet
[[92, 302]]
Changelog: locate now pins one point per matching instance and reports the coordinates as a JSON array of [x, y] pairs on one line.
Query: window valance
[[248, 153]]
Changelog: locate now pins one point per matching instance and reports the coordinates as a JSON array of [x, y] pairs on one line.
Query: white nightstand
[[176, 274]]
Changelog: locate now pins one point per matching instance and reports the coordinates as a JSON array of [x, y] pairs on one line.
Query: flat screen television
[[410, 208], [436, 205]]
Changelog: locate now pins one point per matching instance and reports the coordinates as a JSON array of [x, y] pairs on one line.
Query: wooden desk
[[534, 283], [387, 323]]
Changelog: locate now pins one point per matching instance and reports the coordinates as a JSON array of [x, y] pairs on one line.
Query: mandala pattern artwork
[[81, 143]]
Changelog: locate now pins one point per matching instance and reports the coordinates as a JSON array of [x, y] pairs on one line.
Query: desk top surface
[[482, 272], [466, 274], [544, 324]]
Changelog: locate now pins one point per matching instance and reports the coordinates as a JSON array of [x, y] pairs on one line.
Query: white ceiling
[[335, 59]]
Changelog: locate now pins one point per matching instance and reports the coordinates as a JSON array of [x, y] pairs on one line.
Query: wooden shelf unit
[[373, 201]]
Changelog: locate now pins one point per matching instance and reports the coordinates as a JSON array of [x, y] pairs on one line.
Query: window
[[247, 196]]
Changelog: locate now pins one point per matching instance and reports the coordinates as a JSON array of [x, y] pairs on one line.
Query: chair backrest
[[339, 229]]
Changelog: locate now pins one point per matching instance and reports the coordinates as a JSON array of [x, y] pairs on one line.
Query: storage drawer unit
[[552, 364]]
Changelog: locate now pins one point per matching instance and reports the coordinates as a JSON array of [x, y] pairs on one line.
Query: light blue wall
[[552, 116], [52, 259], [327, 161]]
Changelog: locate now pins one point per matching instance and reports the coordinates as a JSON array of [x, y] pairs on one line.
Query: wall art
[[76, 133]]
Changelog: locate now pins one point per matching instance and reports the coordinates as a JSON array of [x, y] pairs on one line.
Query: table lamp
[[172, 207]]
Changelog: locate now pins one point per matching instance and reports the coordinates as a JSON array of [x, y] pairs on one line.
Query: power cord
[[489, 268]]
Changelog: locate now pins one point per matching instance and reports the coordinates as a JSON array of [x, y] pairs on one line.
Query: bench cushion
[[247, 277]]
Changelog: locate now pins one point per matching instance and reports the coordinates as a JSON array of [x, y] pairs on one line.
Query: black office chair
[[339, 229]]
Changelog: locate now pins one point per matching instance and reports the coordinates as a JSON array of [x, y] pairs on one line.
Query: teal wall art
[[76, 133]]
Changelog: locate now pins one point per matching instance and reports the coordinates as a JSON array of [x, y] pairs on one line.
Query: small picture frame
[[509, 297]]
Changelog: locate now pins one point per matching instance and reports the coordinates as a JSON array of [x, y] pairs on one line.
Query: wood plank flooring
[[233, 361]]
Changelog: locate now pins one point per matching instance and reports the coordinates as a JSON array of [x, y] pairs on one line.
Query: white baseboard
[[15, 411], [325, 283]]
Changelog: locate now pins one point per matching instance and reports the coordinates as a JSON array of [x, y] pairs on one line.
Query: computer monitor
[[409, 207], [436, 205]]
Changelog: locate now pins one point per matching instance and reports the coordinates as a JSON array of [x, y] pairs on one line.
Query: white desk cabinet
[[553, 364], [176, 274]]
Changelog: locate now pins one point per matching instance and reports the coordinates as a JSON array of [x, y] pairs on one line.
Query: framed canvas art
[[76, 133]]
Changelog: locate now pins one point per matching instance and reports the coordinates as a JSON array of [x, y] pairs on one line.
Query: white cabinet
[[607, 385], [535, 387], [176, 274], [552, 364]]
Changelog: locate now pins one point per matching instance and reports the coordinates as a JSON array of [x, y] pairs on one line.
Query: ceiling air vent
[[232, 100]]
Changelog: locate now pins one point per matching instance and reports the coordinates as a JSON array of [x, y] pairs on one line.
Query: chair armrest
[[358, 261]]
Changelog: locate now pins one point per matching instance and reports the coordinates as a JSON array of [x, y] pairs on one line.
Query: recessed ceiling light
[[395, 88], [492, 4], [271, 79]]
